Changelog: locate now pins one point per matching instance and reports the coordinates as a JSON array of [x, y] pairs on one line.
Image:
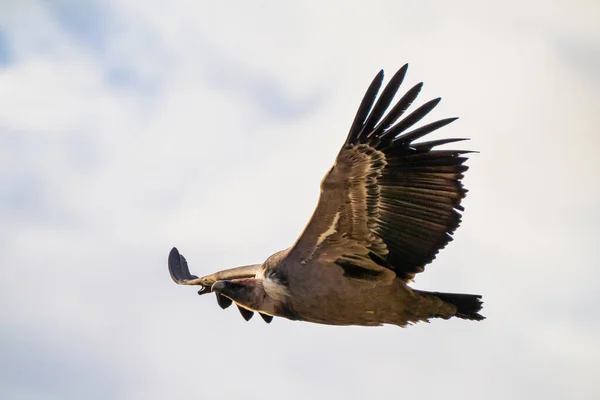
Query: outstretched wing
[[387, 201]]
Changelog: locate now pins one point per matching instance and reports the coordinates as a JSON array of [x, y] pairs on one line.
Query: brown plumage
[[387, 206]]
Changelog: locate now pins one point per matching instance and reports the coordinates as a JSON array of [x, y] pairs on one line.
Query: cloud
[[584, 55], [129, 127]]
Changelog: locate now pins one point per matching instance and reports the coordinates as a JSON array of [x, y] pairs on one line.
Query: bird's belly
[[352, 302]]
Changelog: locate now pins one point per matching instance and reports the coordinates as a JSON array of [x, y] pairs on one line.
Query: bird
[[388, 205]]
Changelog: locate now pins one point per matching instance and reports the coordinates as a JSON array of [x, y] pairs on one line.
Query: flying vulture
[[387, 206]]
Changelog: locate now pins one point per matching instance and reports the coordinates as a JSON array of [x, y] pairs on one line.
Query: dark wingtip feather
[[397, 111], [410, 120], [384, 101], [247, 314], [365, 106], [178, 268], [427, 146], [415, 134]]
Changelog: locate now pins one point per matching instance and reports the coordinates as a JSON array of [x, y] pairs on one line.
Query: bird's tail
[[467, 305]]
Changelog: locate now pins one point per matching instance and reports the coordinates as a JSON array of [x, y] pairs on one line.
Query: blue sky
[[5, 50], [129, 127]]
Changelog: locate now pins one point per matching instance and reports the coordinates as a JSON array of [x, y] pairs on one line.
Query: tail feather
[[467, 305]]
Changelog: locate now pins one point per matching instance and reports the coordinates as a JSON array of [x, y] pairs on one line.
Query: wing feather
[[387, 201], [397, 111], [365, 107], [384, 100]]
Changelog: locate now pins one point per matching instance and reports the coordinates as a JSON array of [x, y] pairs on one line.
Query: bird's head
[[246, 292], [254, 294]]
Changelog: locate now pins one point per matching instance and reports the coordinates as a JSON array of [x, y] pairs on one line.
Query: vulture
[[387, 206]]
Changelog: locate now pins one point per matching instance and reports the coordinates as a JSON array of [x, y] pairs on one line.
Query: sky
[[128, 127]]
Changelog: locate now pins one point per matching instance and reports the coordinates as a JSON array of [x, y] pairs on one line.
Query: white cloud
[[209, 125]]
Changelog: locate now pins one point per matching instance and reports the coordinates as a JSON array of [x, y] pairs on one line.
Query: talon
[[247, 314], [223, 301], [266, 317]]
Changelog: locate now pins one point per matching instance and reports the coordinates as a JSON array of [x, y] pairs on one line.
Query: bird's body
[[338, 300], [387, 206]]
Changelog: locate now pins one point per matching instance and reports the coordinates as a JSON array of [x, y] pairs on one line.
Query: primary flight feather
[[387, 206]]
